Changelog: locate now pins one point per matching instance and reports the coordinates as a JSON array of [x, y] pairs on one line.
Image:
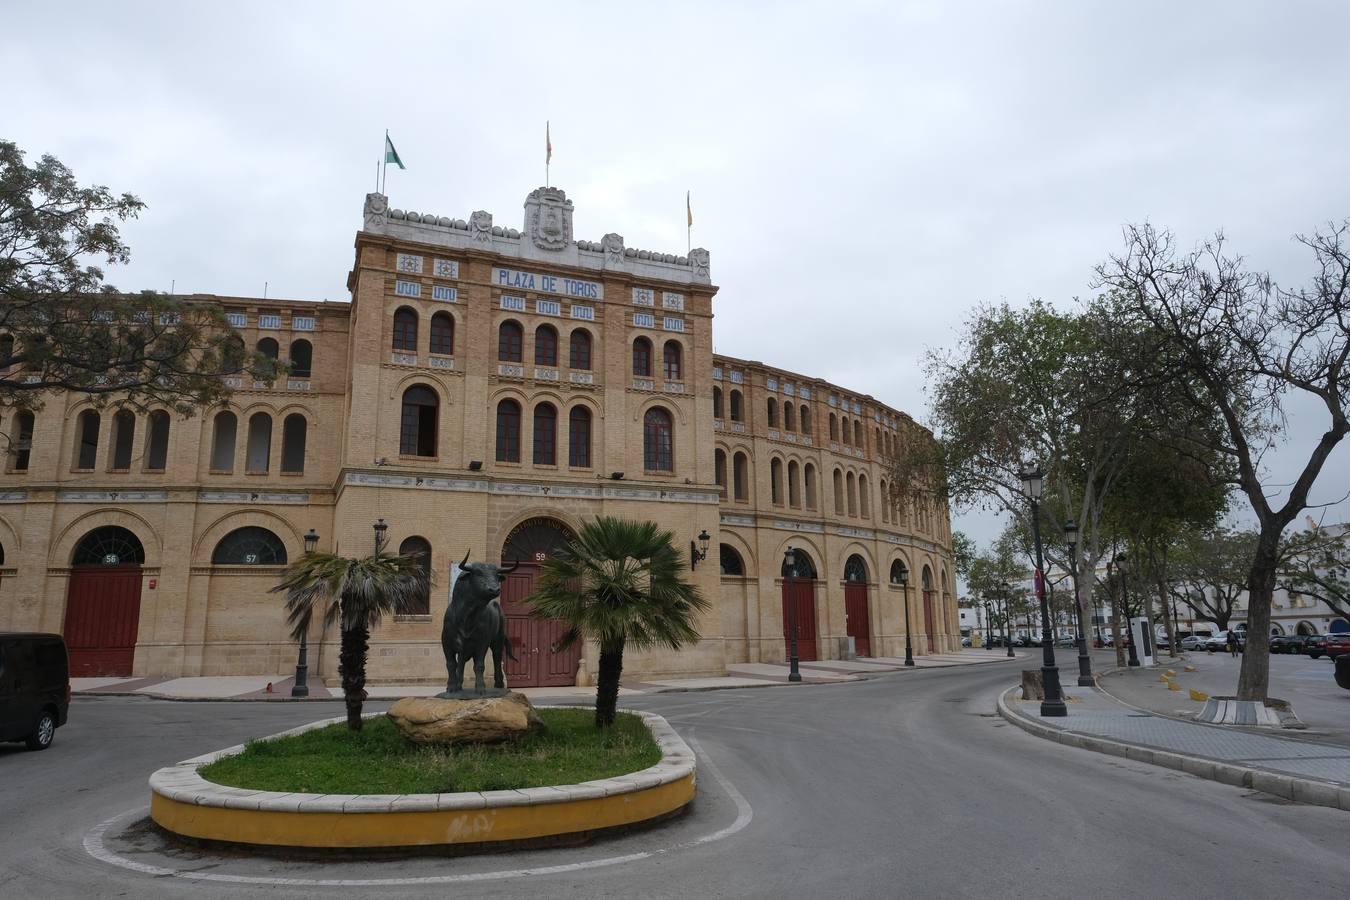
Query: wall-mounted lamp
[[616, 476], [380, 528], [475, 465], [699, 551], [311, 541]]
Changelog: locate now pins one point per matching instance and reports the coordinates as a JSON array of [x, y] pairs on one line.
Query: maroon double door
[[103, 610], [799, 608], [857, 625], [532, 640]]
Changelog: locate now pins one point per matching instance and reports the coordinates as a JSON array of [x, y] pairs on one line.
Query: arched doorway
[[536, 664], [1305, 628], [103, 603], [856, 623], [799, 603], [927, 581]]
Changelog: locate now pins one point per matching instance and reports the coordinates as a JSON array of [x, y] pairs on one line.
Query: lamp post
[[1006, 592], [903, 575], [301, 686], [380, 529], [1125, 601], [1053, 705], [988, 623], [1084, 661], [790, 571]]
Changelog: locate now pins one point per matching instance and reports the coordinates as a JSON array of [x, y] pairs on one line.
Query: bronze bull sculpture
[[473, 624]]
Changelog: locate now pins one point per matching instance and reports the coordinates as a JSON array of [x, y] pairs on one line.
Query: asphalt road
[[906, 785]]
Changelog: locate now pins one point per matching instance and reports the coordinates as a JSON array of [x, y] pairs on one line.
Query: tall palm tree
[[356, 593], [620, 583]]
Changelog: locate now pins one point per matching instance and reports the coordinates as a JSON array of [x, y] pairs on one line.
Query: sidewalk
[[739, 675], [1296, 770]]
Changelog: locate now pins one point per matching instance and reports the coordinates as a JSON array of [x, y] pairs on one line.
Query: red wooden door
[[857, 625], [103, 610], [928, 621], [532, 640], [799, 596]]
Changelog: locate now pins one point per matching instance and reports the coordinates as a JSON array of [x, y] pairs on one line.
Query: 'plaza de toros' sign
[[547, 284]]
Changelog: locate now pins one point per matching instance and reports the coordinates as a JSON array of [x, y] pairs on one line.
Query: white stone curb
[[1290, 787], [182, 784]]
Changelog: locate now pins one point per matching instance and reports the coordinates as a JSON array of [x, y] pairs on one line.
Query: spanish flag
[[689, 210], [548, 145]]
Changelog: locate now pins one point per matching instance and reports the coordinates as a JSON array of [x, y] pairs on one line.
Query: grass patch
[[378, 760]]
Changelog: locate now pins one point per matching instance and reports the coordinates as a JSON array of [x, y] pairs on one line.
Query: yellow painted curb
[[1199, 696], [183, 802]]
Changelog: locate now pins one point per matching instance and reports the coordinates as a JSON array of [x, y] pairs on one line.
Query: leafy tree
[[1316, 562], [1211, 573], [620, 583], [356, 593], [63, 328], [1236, 343]]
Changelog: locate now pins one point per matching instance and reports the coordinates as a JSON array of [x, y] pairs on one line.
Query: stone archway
[[529, 545]]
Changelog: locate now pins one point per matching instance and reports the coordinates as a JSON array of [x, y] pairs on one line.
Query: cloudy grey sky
[[863, 173]]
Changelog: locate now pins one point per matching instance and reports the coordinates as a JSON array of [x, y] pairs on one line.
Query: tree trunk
[[1254, 682], [1117, 638], [352, 671], [1168, 612], [607, 683]]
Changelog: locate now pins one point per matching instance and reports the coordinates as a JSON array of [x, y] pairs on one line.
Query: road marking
[[94, 845]]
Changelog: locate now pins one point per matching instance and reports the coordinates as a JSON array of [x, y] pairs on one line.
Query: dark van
[[34, 688]]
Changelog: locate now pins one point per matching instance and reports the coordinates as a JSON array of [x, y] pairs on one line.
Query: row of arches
[[257, 456], [154, 446], [441, 339], [301, 355]]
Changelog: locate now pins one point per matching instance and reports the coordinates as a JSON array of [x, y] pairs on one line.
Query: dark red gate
[[532, 640], [801, 594], [928, 625], [857, 625], [103, 610]]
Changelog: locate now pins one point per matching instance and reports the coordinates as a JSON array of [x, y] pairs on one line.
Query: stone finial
[[480, 226], [698, 261], [548, 218], [612, 244], [376, 212]]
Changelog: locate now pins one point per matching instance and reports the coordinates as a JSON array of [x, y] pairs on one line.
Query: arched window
[[789, 417], [658, 441], [268, 348], [124, 434], [672, 356], [420, 550], [864, 498], [6, 350], [22, 436], [855, 569], [258, 456], [717, 403], [579, 437], [794, 484], [852, 484], [885, 507], [222, 442], [876, 443], [417, 422], [579, 350], [809, 486], [730, 561], [740, 477], [858, 434], [405, 330], [86, 440], [442, 334], [545, 435], [545, 346], [898, 571], [302, 358], [772, 408], [834, 428], [642, 358], [806, 419], [508, 431], [737, 406], [110, 545], [838, 492], [294, 431], [249, 546], [720, 468], [927, 579], [510, 342], [775, 480], [798, 565], [233, 355]]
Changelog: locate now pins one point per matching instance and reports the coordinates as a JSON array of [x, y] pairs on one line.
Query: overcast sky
[[862, 173]]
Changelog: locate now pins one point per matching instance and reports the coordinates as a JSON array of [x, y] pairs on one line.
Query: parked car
[[1343, 670], [1333, 645], [1066, 642], [1193, 642], [965, 642], [34, 688], [1220, 642], [1290, 643]]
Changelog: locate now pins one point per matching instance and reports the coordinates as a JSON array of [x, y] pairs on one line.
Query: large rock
[[484, 720]]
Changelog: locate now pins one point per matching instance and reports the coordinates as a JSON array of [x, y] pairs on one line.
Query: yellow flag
[[689, 210]]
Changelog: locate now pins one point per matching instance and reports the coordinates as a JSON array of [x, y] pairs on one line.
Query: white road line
[[94, 845]]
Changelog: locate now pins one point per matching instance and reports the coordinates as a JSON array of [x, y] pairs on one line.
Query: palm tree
[[356, 593], [620, 583]]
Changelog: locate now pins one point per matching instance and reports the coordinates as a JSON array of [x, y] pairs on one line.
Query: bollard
[[1199, 696], [1173, 686], [1190, 668]]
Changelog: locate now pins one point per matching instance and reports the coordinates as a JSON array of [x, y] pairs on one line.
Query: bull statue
[[473, 623]]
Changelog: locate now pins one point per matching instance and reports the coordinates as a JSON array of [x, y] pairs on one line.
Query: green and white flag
[[390, 154]]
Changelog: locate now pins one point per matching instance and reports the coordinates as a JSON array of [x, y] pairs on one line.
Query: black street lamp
[[1007, 618], [380, 529], [988, 624], [1053, 705], [1125, 601], [301, 686], [698, 551], [903, 577], [790, 571], [1084, 661]]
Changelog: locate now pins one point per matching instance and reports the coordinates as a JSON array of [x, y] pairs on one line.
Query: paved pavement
[[900, 785], [740, 675]]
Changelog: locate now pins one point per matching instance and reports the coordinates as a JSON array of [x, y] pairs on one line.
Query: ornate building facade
[[487, 390]]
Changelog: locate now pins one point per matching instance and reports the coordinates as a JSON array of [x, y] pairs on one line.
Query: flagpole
[[377, 176], [384, 154]]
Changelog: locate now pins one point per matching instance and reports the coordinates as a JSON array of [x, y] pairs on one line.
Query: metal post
[[1053, 704], [988, 624], [1084, 661], [909, 647], [301, 686], [1129, 626], [794, 674], [1007, 620]]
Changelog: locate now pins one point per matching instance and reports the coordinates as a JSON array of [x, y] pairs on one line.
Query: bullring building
[[487, 390]]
